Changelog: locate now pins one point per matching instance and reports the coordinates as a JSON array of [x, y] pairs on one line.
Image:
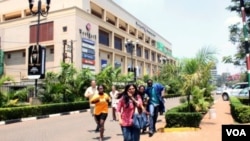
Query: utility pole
[[245, 33], [39, 13], [130, 47], [71, 51]]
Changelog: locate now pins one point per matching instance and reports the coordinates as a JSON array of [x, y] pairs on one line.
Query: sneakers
[[143, 130], [150, 133]]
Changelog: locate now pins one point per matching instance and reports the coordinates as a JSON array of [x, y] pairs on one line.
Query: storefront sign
[[88, 50], [87, 32], [85, 66], [145, 29], [87, 45], [88, 56], [86, 61]]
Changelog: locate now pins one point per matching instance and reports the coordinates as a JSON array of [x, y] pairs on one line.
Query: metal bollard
[[212, 113]]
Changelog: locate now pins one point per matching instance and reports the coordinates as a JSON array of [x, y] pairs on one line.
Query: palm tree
[[52, 90], [67, 77], [107, 76], [170, 75], [82, 81], [196, 71]]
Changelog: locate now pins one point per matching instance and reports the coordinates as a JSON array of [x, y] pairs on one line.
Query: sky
[[189, 25]]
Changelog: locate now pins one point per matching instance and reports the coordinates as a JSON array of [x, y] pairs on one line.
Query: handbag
[[140, 120]]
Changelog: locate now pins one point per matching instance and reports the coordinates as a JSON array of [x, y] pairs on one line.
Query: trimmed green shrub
[[180, 117], [39, 110], [239, 111]]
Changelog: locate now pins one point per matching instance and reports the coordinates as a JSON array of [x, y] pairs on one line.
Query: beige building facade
[[95, 33]]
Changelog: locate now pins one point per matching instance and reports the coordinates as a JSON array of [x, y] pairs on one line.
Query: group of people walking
[[142, 99]]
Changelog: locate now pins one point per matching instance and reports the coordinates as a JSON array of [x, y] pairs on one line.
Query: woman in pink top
[[126, 107]]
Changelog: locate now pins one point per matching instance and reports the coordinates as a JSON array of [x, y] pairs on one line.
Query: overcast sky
[[189, 25]]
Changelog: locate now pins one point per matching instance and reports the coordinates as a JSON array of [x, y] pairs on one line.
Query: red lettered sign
[[86, 61]]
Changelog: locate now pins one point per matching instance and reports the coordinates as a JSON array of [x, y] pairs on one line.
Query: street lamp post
[[130, 45], [245, 33], [39, 13]]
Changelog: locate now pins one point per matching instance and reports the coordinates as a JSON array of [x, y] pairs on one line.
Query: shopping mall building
[[88, 33]]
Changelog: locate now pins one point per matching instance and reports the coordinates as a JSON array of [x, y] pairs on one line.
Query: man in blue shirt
[[156, 103]]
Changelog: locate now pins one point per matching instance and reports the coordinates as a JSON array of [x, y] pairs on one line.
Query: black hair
[[150, 80], [125, 96], [100, 86], [141, 86]]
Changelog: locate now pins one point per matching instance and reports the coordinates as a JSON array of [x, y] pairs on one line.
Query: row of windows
[[111, 19], [104, 40], [24, 53]]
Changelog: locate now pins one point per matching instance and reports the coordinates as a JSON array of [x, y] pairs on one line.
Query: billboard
[[88, 54], [36, 62]]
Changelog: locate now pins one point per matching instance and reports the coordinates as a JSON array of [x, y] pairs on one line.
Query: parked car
[[234, 90], [219, 90], [244, 93]]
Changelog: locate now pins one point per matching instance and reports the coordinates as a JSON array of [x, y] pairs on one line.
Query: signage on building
[[104, 63], [36, 62], [86, 32], [87, 46], [161, 47], [85, 66], [87, 61], [145, 29], [88, 56], [88, 50], [90, 42]]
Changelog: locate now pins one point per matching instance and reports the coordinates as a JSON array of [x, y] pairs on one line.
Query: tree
[[196, 72], [107, 76], [170, 75], [82, 81], [237, 34]]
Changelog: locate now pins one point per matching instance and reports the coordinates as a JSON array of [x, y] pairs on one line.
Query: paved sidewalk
[[210, 128]]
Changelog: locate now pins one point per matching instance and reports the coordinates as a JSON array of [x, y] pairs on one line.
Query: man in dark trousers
[[155, 92]]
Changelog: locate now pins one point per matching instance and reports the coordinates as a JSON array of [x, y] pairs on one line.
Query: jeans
[[130, 133], [153, 115]]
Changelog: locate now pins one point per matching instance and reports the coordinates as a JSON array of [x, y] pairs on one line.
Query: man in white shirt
[[113, 94], [89, 93]]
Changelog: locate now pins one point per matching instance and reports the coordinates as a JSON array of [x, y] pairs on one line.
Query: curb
[[41, 117]]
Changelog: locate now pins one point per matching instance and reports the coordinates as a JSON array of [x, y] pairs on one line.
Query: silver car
[[219, 90], [244, 93]]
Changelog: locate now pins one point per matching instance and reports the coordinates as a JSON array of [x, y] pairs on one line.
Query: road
[[75, 127]]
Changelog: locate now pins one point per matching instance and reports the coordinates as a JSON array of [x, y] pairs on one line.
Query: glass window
[[146, 54], [138, 51], [118, 43], [159, 58], [46, 32], [103, 38], [153, 56]]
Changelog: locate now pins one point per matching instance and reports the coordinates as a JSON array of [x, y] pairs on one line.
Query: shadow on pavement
[[104, 138]]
